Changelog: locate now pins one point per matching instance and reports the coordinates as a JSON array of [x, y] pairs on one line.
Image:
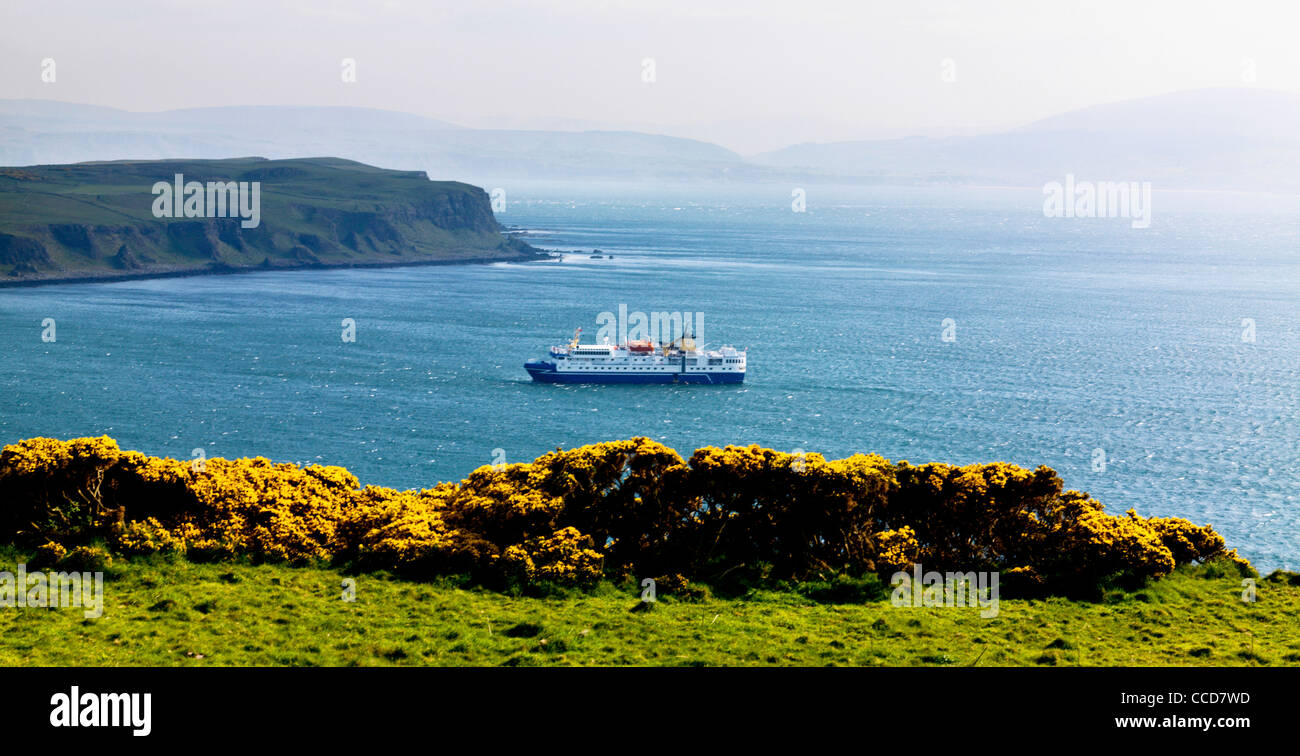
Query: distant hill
[[97, 220], [1229, 138], [1225, 138], [42, 131]]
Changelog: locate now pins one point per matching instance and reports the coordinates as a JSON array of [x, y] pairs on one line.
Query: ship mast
[[684, 343]]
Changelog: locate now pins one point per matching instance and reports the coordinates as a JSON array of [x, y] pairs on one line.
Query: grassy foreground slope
[[760, 557], [165, 612], [96, 220]]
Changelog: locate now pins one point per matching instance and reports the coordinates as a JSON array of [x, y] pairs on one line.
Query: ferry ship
[[639, 362]]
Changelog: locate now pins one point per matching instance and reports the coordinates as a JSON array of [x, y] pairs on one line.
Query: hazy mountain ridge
[[1226, 138], [98, 220], [35, 131], [1229, 138]]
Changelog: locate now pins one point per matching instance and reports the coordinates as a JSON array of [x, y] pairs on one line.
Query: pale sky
[[749, 75]]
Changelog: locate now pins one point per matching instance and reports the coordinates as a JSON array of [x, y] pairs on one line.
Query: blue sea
[[1114, 355]]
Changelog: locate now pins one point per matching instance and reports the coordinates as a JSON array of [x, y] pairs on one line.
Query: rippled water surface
[[1072, 336]]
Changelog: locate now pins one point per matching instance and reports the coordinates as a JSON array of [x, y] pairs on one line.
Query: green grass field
[[177, 613]]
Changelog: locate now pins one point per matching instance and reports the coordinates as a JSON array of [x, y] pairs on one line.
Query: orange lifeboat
[[640, 347]]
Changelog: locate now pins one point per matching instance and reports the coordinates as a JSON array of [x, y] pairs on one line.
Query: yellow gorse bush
[[621, 508]]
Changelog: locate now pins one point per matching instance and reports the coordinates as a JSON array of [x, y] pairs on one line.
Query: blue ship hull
[[545, 372]]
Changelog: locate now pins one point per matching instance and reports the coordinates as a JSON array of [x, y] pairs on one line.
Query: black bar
[[999, 707]]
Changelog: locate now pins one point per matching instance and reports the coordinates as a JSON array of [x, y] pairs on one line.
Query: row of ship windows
[[674, 363], [615, 367], [691, 362], [645, 359]]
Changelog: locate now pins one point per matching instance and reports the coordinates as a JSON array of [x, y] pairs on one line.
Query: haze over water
[[1072, 336]]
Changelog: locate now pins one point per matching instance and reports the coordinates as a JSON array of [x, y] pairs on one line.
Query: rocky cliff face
[[97, 220]]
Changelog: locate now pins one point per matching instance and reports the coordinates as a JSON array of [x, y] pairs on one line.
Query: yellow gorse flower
[[631, 507]]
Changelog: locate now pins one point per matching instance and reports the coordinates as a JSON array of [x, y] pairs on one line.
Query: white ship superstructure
[[679, 361]]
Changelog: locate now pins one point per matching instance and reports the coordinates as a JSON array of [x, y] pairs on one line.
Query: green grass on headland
[[96, 221], [175, 613]]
